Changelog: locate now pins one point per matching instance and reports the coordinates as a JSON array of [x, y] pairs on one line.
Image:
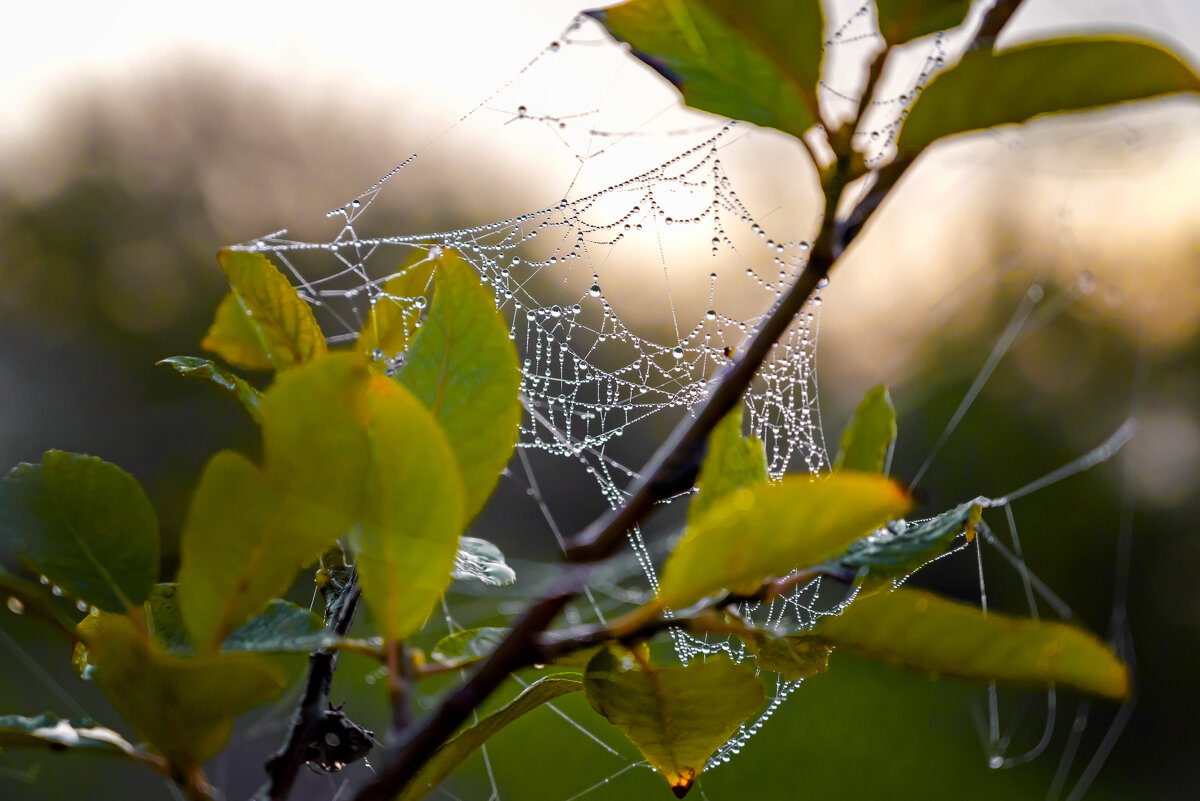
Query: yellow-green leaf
[[464, 368], [392, 322], [263, 323], [446, 758], [924, 632], [1040, 78], [866, 440], [902, 20], [770, 530], [753, 60], [407, 533], [676, 716], [249, 530], [183, 707], [790, 657], [85, 524], [732, 462]]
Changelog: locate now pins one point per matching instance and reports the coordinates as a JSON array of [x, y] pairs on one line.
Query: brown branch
[[399, 689], [285, 765]]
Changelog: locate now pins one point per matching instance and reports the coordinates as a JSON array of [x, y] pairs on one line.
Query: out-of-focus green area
[[112, 267]]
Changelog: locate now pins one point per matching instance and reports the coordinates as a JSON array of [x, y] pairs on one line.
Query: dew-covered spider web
[[630, 272]]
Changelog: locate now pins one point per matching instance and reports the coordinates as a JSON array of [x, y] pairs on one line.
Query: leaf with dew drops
[[773, 529], [84, 524], [262, 323], [391, 325], [51, 733], [206, 370], [676, 716], [464, 368]]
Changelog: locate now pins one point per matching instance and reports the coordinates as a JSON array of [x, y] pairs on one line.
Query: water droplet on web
[[420, 302], [594, 291], [677, 353], [711, 314], [81, 606], [556, 311], [824, 282], [522, 111], [995, 762], [44, 579], [554, 47], [16, 606], [56, 590]]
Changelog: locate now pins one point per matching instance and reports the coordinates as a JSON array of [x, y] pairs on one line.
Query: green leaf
[[923, 632], [866, 440], [28, 598], [732, 462], [52, 733], [184, 707], [448, 757], [392, 323], [753, 60], [213, 373], [263, 323], [464, 368], [676, 716], [249, 530], [1040, 78], [482, 561], [770, 530], [470, 645], [86, 525], [900, 548], [407, 534], [282, 626], [791, 657], [903, 20]]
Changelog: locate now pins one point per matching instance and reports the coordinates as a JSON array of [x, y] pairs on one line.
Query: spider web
[[624, 297]]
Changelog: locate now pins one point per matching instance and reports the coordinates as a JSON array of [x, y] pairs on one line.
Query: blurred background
[[137, 139]]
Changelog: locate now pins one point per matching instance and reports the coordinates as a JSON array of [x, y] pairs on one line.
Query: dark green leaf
[[866, 440], [249, 530], [448, 757], [770, 530], [184, 707], [467, 646], [676, 716], [900, 548], [732, 462], [920, 631], [86, 525], [482, 561], [282, 626], [213, 373], [281, 330], [49, 732], [392, 323], [902, 20], [412, 515], [464, 368], [753, 60], [23, 597], [1040, 78]]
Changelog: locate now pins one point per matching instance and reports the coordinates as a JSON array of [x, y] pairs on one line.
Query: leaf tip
[[682, 783]]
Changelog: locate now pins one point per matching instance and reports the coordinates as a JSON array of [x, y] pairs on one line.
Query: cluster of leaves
[[393, 446]]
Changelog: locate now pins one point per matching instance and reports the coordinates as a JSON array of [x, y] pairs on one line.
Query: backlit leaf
[[732, 462], [676, 716], [249, 530], [753, 60], [770, 530], [213, 373], [902, 20], [281, 324], [458, 748], [866, 440], [407, 533], [184, 707], [51, 733], [464, 368], [281, 626], [791, 657], [392, 322], [464, 647], [899, 548], [86, 525], [1040, 78], [921, 631]]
